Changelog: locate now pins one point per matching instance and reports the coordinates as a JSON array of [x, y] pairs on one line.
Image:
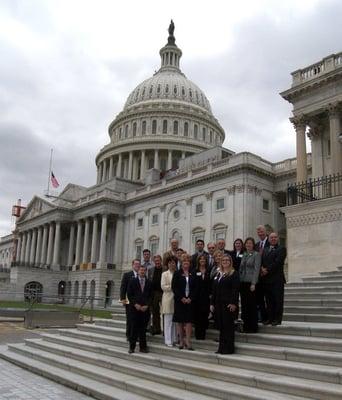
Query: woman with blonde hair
[[167, 303], [225, 300], [184, 289]]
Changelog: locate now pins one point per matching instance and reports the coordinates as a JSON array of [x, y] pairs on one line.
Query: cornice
[[314, 218]]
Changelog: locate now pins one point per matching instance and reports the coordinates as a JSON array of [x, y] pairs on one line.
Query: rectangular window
[[140, 222], [220, 204], [199, 209], [154, 244], [155, 218], [138, 251], [265, 204]]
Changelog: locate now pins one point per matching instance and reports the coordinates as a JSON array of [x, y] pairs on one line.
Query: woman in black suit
[[225, 300], [202, 301], [237, 253], [184, 289]]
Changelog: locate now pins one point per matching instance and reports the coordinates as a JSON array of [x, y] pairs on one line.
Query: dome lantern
[[170, 54]]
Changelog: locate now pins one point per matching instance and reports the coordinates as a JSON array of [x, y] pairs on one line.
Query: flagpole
[[50, 168]]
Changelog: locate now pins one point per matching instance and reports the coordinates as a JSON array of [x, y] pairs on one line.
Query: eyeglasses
[[211, 248]]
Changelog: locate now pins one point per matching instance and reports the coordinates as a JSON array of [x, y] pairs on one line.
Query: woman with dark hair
[[237, 253], [249, 273], [202, 301], [225, 301], [184, 290]]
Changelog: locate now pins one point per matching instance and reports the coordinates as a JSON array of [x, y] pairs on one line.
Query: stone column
[[39, 246], [119, 234], [23, 245], [335, 145], [130, 165], [44, 245], [183, 155], [208, 213], [104, 170], [99, 174], [119, 166], [18, 250], [78, 243], [142, 165], [156, 159], [33, 246], [50, 244], [57, 244], [93, 256], [28, 247], [71, 245], [135, 168], [86, 241], [110, 175], [169, 159], [103, 240], [300, 127]]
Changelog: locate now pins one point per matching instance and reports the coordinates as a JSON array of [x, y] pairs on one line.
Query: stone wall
[[314, 237]]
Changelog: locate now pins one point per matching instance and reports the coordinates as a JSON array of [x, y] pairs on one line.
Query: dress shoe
[[266, 322], [130, 351], [144, 350], [275, 323]]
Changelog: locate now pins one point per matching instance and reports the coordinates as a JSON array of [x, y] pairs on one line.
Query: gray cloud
[[57, 94]]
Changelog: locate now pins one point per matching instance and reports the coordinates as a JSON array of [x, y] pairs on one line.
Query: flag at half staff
[[54, 181]]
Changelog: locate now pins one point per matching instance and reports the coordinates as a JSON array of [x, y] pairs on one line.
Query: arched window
[[175, 89], [151, 89], [143, 128], [84, 290], [175, 127], [165, 126], [195, 131], [158, 89], [76, 285], [33, 291], [134, 129], [211, 136], [154, 245], [204, 133], [186, 128], [190, 93], [154, 126], [126, 131], [183, 91], [167, 88], [92, 288], [120, 133], [109, 293]]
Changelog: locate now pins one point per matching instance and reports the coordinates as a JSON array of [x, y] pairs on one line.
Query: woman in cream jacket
[[167, 305]]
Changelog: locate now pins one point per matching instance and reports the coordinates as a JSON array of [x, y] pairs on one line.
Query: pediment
[[36, 206]]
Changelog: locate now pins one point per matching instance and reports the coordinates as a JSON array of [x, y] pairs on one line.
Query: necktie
[[261, 247], [142, 284]]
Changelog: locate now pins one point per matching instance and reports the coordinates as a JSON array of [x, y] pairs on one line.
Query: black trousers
[[249, 310], [260, 300], [227, 331], [128, 321], [201, 321], [155, 310], [274, 293], [139, 320]]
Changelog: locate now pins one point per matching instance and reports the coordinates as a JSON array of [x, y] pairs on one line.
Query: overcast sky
[[67, 67]]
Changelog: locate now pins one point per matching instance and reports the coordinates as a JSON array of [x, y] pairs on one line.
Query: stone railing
[[324, 66], [97, 195]]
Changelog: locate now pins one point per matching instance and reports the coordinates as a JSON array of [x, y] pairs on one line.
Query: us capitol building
[[164, 174]]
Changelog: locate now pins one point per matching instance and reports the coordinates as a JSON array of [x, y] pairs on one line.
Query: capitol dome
[[165, 118]]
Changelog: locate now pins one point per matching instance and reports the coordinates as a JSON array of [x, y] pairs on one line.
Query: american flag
[[54, 181]]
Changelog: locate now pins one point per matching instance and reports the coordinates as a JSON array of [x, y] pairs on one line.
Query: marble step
[[302, 316], [337, 277], [313, 294], [292, 327], [306, 309], [317, 338], [311, 288], [336, 273], [161, 383], [316, 282], [249, 349], [83, 384], [298, 301]]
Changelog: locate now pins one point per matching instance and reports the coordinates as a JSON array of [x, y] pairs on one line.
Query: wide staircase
[[300, 359]]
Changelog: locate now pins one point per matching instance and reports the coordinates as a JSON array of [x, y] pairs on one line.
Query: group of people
[[177, 291]]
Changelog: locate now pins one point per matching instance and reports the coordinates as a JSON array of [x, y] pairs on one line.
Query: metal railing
[[314, 189]]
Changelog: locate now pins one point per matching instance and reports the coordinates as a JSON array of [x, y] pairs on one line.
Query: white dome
[[171, 85]]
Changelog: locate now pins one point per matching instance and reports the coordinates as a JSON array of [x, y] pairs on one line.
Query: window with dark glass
[[134, 129], [165, 126], [175, 127], [154, 126], [196, 131], [186, 129], [143, 128]]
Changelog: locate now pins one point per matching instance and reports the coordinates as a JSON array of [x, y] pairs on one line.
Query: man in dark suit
[[221, 246], [139, 294], [260, 246], [154, 275], [199, 252], [126, 277], [272, 275]]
